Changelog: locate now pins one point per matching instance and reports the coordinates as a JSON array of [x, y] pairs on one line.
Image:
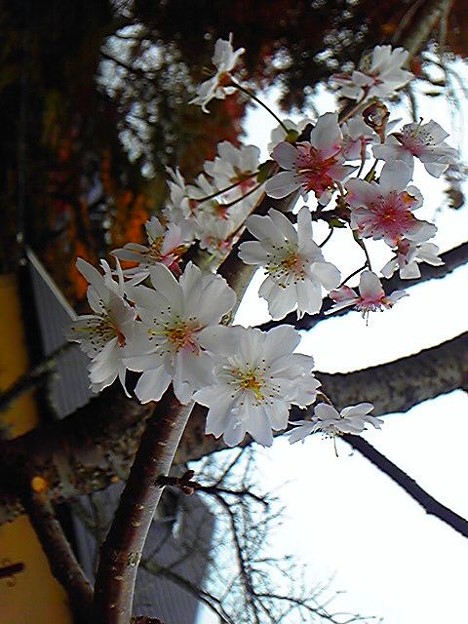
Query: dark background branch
[[417, 493]]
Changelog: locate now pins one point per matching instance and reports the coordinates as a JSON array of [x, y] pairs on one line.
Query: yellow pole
[[30, 595]]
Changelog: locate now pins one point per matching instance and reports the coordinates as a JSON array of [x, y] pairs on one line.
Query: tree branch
[[427, 502], [123, 547], [95, 446], [61, 558]]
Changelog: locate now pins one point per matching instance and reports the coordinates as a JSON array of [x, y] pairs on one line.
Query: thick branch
[[93, 448], [123, 547], [429, 504], [90, 449]]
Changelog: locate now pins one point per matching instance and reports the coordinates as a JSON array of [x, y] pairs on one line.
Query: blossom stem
[[352, 275], [370, 174], [260, 102], [226, 189], [327, 237], [236, 201], [362, 245]]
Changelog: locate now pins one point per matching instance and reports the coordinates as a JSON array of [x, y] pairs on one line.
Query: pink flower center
[[314, 170], [391, 215], [415, 141]]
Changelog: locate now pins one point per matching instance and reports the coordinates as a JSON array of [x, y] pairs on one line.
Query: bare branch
[[427, 502]]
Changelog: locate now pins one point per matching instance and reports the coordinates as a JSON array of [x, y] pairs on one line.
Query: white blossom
[[384, 210], [328, 420], [224, 59], [234, 166], [165, 245], [371, 296], [379, 75], [104, 334], [294, 263], [168, 342], [314, 165], [423, 141], [408, 255], [257, 380]]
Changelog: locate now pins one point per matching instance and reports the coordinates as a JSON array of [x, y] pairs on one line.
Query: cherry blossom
[[234, 166], [173, 328], [384, 210], [371, 296], [296, 270], [165, 245], [328, 420], [104, 334], [179, 209], [314, 165], [423, 141], [257, 380], [380, 74], [286, 130], [168, 341], [408, 255], [357, 135], [224, 59]]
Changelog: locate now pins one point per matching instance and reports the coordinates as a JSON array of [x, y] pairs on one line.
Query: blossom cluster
[[169, 320]]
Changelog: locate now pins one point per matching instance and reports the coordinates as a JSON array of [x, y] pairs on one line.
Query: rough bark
[[95, 447], [123, 547]]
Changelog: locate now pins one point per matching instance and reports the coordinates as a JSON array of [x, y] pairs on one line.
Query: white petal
[[282, 184], [152, 384], [285, 155]]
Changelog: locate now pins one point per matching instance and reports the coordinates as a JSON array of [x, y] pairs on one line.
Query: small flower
[[104, 334], [423, 141], [224, 59], [326, 418], [296, 270], [371, 296], [357, 135], [279, 133], [234, 166], [168, 342], [408, 255], [314, 165], [165, 246], [257, 380], [379, 75], [384, 210]]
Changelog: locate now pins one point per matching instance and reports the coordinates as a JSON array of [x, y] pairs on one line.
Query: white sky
[[344, 518]]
